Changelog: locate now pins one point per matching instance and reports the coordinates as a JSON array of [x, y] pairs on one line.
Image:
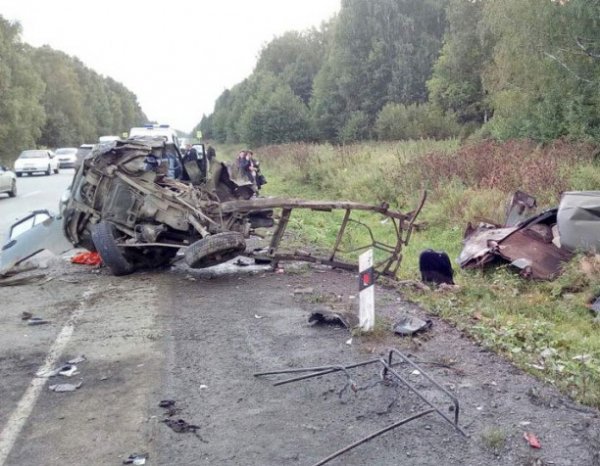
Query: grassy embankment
[[499, 309]]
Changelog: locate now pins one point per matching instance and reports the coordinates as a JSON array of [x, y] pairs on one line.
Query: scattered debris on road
[[410, 325], [332, 318], [532, 440], [68, 370], [169, 405], [180, 426], [77, 359], [27, 280], [17, 269], [137, 459], [87, 258], [388, 374], [65, 387], [37, 321]]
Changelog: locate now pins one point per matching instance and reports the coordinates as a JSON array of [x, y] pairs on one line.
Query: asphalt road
[[33, 192]]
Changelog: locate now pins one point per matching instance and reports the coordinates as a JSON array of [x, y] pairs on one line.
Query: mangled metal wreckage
[[140, 201], [536, 244]]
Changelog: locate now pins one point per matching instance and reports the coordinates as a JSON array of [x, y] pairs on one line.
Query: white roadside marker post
[[366, 291]]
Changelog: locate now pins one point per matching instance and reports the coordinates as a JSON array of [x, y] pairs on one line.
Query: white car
[[66, 157], [36, 161], [8, 182]]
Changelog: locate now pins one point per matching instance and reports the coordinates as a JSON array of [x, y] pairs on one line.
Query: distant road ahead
[[33, 192]]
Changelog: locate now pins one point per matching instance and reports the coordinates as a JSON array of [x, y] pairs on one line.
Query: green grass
[[519, 319], [494, 438]]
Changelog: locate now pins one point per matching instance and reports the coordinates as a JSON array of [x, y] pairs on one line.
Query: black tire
[[19, 174], [56, 171], [214, 249], [103, 236], [13, 189]]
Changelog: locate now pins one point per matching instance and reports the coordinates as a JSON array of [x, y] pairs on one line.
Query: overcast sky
[[177, 56]]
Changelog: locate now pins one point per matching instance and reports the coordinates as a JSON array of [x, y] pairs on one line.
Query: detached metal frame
[[402, 224], [387, 370]]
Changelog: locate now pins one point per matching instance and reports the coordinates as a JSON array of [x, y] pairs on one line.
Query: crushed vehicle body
[[140, 201]]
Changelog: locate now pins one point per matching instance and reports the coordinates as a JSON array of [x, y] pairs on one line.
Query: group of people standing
[[249, 167]]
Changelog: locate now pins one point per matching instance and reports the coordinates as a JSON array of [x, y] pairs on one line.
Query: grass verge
[[543, 327]]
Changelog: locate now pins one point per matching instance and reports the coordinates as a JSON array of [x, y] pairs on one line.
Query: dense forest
[[408, 69], [49, 99]]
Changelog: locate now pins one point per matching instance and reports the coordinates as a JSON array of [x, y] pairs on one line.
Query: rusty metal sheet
[[529, 246], [479, 246], [536, 257]]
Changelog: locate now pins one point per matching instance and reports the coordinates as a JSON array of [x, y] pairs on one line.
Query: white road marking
[[32, 193], [17, 420]]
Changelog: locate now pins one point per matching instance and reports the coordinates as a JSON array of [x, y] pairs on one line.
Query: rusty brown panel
[[545, 258]]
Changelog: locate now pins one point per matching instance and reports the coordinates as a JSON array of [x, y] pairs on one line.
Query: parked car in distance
[[82, 152], [66, 157], [8, 181], [36, 161]]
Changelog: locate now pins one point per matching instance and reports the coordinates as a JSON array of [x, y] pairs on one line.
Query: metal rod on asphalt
[[428, 377], [373, 435], [416, 392], [317, 368], [316, 374]]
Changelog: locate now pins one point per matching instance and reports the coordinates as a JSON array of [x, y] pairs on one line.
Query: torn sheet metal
[[409, 325], [480, 244], [536, 258], [529, 246], [579, 220], [521, 207]]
